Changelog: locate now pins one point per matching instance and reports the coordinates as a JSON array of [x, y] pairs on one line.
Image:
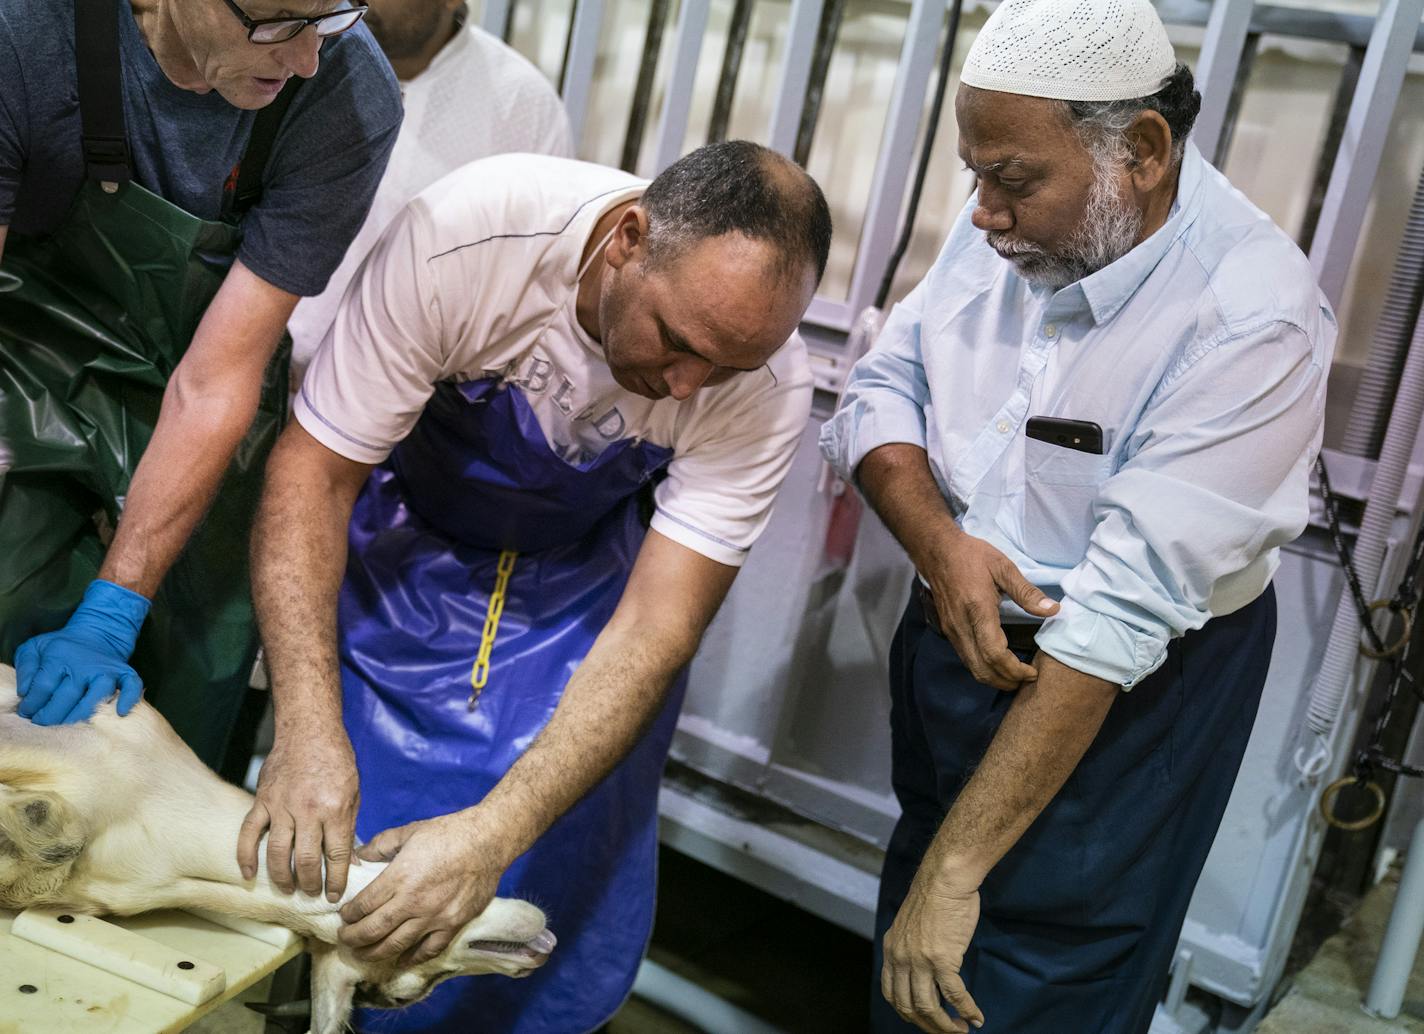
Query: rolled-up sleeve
[[886, 395], [1216, 479]]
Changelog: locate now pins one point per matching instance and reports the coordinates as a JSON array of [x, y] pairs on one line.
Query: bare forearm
[[1043, 737], [611, 699], [176, 479], [298, 557], [207, 408], [897, 481]]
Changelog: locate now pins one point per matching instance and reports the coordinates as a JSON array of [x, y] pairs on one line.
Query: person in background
[[467, 96], [1091, 426]]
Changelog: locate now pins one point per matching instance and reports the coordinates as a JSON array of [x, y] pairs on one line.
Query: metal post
[[1216, 68], [892, 170], [577, 80], [1368, 125], [795, 74], [1181, 980], [1401, 937], [677, 103], [1330, 146], [731, 68], [816, 87], [495, 18], [643, 91], [1238, 94]]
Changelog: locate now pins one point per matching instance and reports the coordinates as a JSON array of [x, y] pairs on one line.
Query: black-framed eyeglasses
[[279, 30]]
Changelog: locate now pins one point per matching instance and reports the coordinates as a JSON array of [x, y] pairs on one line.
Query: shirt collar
[[1108, 290]]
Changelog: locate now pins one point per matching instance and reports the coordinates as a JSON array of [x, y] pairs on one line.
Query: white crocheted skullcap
[[1072, 50]]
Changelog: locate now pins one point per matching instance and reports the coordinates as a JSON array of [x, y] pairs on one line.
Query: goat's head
[[508, 937]]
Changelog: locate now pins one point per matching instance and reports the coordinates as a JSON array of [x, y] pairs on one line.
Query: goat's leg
[[311, 917], [41, 837], [333, 984]]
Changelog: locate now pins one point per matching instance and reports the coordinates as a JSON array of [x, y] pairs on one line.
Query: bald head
[[738, 187]]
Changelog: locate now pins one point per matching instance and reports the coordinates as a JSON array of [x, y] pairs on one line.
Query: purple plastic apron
[[474, 477]]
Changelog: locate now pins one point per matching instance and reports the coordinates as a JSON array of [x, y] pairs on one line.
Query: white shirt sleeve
[[732, 455], [379, 363]]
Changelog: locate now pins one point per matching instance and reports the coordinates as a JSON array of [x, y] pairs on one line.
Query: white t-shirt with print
[[476, 279]]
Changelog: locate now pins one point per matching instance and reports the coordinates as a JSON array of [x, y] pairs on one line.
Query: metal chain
[[479, 675], [1342, 549], [1405, 600]]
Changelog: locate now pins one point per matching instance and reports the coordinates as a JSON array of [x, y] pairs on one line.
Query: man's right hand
[[968, 577], [306, 802]]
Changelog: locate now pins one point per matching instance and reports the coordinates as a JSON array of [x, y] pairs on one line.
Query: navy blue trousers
[[1080, 919]]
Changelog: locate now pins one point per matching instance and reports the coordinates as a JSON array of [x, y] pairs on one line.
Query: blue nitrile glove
[[63, 675]]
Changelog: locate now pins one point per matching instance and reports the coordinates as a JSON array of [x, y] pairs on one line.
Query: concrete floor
[[1325, 996], [234, 1017]]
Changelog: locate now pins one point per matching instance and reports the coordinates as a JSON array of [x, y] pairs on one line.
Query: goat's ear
[[333, 983]]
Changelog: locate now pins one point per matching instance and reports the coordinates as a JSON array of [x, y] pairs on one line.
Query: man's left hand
[[924, 950], [441, 875]]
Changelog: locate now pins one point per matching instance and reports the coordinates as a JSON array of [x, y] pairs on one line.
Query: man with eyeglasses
[[143, 194]]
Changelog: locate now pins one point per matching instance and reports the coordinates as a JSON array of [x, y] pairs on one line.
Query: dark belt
[[1020, 636]]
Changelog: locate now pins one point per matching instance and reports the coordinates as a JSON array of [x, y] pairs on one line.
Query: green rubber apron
[[93, 321]]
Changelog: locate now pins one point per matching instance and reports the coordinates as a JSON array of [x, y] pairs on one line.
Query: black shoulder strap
[[101, 91], [259, 149]]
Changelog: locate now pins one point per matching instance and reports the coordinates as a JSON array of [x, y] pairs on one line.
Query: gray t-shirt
[[326, 161]]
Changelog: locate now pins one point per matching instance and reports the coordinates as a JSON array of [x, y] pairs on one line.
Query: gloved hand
[[63, 675]]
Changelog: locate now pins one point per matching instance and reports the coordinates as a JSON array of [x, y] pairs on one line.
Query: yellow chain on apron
[[479, 675]]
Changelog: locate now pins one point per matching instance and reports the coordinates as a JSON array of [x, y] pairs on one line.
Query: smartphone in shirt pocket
[[1077, 435], [1064, 468]]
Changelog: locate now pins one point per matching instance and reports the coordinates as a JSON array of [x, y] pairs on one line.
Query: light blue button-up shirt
[[1203, 355]]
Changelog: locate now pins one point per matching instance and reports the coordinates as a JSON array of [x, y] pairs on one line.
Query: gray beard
[[1108, 231]]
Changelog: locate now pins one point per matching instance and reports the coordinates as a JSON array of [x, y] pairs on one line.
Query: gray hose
[[1375, 395], [1342, 650]]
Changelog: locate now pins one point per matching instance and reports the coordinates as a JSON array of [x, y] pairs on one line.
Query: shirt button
[[1051, 330], [1003, 427]]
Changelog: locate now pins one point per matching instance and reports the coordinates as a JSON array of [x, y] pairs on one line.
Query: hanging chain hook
[[1407, 629], [1327, 803]]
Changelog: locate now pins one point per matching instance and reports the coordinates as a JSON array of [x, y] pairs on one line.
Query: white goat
[[118, 816]]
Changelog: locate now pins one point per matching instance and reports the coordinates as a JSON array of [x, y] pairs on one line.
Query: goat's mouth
[[531, 953]]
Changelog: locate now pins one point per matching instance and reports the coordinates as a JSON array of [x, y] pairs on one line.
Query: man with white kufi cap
[[1091, 427]]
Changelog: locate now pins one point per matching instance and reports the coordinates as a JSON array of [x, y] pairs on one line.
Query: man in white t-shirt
[[554, 410], [467, 96]]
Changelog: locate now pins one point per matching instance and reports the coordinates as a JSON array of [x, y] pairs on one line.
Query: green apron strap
[[101, 110], [101, 92]]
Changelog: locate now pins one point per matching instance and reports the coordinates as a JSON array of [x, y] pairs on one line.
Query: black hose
[[946, 59]]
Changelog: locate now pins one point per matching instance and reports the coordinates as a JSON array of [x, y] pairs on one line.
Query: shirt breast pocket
[[1060, 486]]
